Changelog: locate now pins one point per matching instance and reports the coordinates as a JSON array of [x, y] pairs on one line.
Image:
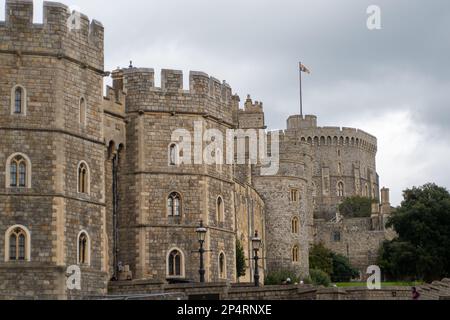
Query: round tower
[[52, 201], [344, 163], [288, 198]]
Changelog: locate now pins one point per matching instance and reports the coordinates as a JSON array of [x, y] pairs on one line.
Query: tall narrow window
[[174, 205], [83, 249], [83, 178], [82, 111], [174, 264], [18, 172], [18, 245], [18, 100], [340, 191], [222, 266], [295, 254], [336, 236], [220, 210], [294, 195], [295, 225]]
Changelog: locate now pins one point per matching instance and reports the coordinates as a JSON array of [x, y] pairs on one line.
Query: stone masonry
[[134, 214]]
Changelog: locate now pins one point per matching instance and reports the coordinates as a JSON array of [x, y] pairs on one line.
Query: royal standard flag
[[304, 69]]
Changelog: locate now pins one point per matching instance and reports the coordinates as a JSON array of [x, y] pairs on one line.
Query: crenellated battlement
[[205, 94], [200, 83], [331, 136], [62, 34]]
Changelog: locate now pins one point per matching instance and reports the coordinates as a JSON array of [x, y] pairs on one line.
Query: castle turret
[[52, 202], [344, 163]]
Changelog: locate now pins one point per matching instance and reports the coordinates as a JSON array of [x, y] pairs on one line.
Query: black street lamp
[[201, 235], [256, 244]]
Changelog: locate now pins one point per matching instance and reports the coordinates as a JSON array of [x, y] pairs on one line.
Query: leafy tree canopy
[[356, 207], [422, 248]]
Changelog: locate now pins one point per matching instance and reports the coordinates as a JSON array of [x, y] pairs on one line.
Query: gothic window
[[294, 195], [340, 189], [295, 225], [173, 154], [83, 178], [18, 172], [82, 109], [83, 249], [222, 266], [174, 205], [18, 245], [18, 100], [220, 210], [295, 254], [174, 264]]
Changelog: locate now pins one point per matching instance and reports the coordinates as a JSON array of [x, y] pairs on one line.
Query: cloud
[[392, 82]]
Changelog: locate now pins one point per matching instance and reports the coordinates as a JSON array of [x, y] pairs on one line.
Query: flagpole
[[301, 90]]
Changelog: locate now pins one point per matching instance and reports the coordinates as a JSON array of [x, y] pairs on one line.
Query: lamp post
[[256, 244], [201, 235]]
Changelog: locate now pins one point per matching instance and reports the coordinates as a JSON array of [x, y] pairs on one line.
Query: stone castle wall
[[125, 142], [341, 155], [55, 67], [295, 173]]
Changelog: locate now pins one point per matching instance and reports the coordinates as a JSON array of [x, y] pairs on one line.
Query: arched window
[[220, 210], [175, 266], [173, 154], [295, 254], [18, 171], [83, 178], [82, 116], [17, 244], [174, 205], [340, 189], [84, 247], [222, 266], [366, 190], [18, 100], [295, 225]]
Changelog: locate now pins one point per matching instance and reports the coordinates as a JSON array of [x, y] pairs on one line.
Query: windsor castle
[[92, 181]]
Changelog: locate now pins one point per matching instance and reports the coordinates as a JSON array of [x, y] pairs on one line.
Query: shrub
[[278, 277], [342, 269], [320, 278], [321, 258], [356, 207]]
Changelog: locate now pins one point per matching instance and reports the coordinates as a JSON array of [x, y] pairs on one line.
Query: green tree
[[356, 207], [422, 223], [321, 258], [241, 266], [336, 266], [342, 269]]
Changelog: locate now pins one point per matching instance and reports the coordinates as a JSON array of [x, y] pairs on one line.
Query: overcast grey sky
[[393, 83]]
